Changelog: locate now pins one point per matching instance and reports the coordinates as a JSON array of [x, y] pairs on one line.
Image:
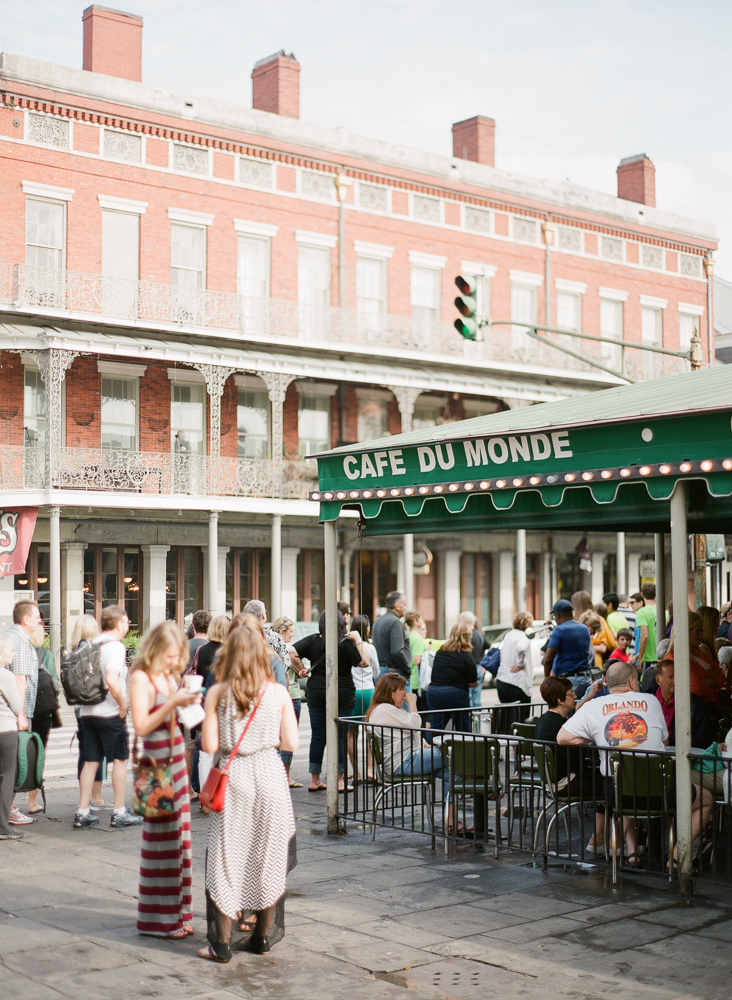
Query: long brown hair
[[243, 662], [460, 640], [581, 602], [386, 686], [154, 644]]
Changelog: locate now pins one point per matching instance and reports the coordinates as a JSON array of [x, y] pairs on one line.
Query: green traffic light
[[467, 328]]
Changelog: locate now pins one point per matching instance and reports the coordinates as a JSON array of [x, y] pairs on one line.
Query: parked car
[[538, 634]]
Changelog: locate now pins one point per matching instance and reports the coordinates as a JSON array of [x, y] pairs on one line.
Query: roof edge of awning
[[603, 494]]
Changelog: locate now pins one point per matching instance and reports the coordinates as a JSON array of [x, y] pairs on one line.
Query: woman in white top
[[402, 752], [515, 674], [364, 677], [11, 706]]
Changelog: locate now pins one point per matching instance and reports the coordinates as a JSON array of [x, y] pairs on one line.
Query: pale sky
[[573, 86]]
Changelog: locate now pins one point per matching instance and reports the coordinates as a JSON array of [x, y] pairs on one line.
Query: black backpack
[[48, 691], [81, 675]]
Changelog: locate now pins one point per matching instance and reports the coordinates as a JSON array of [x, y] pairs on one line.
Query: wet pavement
[[364, 920]]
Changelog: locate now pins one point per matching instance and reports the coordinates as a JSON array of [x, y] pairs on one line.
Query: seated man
[[626, 718]]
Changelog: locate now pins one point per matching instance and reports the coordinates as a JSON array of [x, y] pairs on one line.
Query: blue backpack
[[491, 660]]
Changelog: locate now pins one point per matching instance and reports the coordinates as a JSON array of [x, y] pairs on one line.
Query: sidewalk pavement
[[364, 921]]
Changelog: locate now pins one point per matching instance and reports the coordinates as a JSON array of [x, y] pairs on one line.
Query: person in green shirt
[[615, 619], [645, 620], [417, 642]]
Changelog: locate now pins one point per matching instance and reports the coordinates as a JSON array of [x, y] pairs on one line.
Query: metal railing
[[511, 792], [26, 286], [162, 473]]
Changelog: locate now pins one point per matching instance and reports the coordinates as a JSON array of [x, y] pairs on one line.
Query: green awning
[[607, 460]]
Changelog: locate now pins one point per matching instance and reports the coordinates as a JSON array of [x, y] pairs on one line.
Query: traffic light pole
[[693, 356]]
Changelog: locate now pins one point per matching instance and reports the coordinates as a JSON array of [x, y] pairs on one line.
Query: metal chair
[[642, 784], [560, 801], [389, 783], [472, 767], [524, 781]]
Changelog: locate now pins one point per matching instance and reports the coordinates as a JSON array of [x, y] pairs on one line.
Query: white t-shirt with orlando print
[[624, 721]]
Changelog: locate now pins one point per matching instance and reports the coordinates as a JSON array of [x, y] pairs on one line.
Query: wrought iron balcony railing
[[161, 473], [26, 287]]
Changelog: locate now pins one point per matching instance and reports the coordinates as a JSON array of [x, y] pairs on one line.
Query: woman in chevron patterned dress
[[164, 906], [250, 842]]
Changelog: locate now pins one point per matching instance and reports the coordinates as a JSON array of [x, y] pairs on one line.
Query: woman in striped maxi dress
[[164, 906]]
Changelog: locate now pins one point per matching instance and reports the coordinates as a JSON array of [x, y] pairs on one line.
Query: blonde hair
[[590, 619], [218, 628], [523, 620], [581, 602], [281, 624], [38, 636], [243, 662], [86, 628], [155, 642], [460, 640]]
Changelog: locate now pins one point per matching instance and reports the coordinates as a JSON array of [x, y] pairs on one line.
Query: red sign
[[16, 535]]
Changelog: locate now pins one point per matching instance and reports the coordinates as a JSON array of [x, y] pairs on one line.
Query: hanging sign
[[16, 534]]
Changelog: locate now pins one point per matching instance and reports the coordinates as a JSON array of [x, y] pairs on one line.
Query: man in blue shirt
[[568, 651]]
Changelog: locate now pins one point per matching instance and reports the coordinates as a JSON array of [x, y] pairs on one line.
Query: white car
[[538, 634]]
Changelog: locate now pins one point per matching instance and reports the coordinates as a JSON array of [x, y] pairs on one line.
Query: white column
[[72, 566], [212, 562], [621, 577], [331, 671], [505, 586], [276, 596], [54, 581], [223, 553], [408, 558], [153, 584], [598, 566], [633, 582], [521, 569], [680, 596], [7, 600], [289, 582], [451, 578], [547, 597]]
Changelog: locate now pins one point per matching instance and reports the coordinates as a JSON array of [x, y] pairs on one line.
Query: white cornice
[[256, 228], [191, 218], [477, 269], [48, 191], [122, 204], [432, 260], [575, 287], [688, 309], [377, 250], [652, 302], [315, 239], [526, 278], [616, 294]]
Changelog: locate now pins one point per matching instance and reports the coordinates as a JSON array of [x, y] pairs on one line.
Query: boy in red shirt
[[624, 637]]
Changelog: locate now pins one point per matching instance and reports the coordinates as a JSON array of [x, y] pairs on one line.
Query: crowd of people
[[247, 676]]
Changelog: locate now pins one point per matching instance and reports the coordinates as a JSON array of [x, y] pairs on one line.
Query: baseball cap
[[562, 606]]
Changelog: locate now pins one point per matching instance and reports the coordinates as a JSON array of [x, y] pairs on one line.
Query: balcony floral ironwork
[[25, 286], [161, 473]]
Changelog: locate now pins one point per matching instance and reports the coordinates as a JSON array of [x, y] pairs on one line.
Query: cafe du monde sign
[[479, 456]]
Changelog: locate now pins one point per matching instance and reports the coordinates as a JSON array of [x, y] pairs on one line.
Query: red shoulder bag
[[213, 793]]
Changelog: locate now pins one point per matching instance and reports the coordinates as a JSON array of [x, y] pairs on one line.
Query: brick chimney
[[112, 42], [474, 139], [276, 85], [637, 180]]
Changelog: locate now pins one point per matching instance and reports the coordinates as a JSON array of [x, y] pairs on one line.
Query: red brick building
[[196, 295]]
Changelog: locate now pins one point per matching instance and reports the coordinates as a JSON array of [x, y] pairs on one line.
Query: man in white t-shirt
[[104, 725], [624, 719]]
